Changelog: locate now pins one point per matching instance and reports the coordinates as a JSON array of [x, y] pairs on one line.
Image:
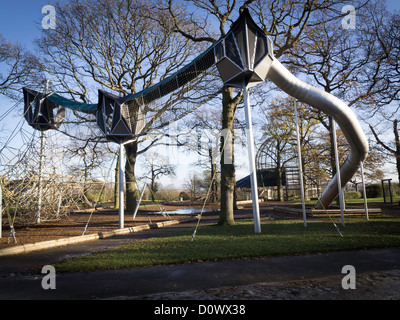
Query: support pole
[[383, 191], [252, 162], [40, 186], [300, 164], [121, 186], [59, 204], [40, 182], [338, 171], [390, 191], [138, 204], [363, 190]]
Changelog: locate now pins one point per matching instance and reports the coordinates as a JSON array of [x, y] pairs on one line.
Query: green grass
[[396, 199], [239, 241]]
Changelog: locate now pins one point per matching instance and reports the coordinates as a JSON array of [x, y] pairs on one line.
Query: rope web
[[64, 188], [26, 166]]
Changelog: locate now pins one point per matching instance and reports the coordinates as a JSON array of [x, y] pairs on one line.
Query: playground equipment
[[39, 111], [244, 58], [389, 192], [332, 106]]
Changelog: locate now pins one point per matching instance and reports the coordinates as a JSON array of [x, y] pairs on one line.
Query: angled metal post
[[363, 189], [140, 199], [338, 171], [252, 161]]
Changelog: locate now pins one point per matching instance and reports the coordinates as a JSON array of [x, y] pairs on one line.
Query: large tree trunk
[[214, 186], [153, 184], [130, 180], [227, 166], [278, 172]]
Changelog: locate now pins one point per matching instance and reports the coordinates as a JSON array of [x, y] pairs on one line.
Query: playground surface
[[85, 222], [104, 219]]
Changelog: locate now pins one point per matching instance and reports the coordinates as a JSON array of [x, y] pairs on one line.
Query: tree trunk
[[278, 172], [397, 142], [279, 184], [213, 167], [85, 181], [153, 184], [130, 180], [227, 166]]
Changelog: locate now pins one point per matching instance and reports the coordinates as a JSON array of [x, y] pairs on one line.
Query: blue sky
[[20, 19]]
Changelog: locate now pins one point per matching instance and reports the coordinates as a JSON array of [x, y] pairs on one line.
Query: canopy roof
[[265, 178]]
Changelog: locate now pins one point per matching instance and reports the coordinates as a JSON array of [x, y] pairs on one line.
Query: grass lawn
[[396, 199], [278, 237]]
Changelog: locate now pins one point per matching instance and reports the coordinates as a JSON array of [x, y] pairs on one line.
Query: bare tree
[[20, 68], [277, 135], [112, 44], [206, 127], [385, 71], [91, 155], [279, 147], [339, 61], [194, 185], [158, 167], [392, 148]]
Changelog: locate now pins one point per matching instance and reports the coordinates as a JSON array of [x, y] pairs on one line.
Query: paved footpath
[[20, 276]]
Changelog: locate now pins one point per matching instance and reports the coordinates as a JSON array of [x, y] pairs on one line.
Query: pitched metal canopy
[[116, 120], [244, 55], [40, 112]]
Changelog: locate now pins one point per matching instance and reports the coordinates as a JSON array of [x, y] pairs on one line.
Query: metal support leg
[[363, 189], [40, 186], [252, 162], [341, 199], [121, 186]]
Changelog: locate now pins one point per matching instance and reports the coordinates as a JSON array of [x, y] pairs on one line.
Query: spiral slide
[[332, 106]]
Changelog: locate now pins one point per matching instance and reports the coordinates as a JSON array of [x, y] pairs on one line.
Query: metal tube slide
[[332, 106]]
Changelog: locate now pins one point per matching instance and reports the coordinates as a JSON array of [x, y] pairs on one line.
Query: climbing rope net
[[40, 182], [34, 167]]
